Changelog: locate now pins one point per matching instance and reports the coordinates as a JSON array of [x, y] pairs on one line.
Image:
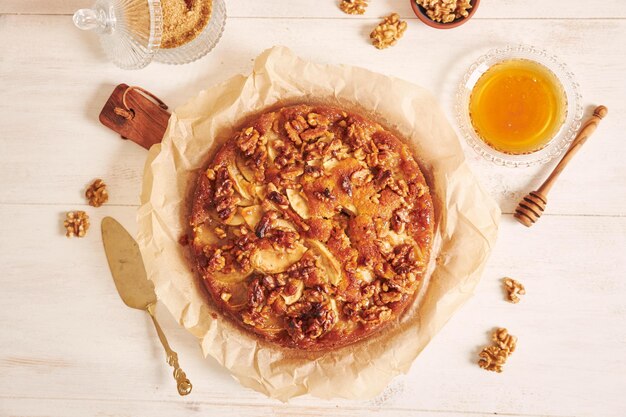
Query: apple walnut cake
[[312, 227]]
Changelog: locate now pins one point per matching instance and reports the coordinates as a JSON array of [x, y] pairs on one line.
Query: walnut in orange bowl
[[444, 14], [312, 227]]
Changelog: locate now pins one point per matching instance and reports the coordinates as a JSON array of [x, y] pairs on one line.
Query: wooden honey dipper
[[532, 206]]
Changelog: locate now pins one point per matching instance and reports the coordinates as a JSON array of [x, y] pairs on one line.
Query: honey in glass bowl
[[517, 106]]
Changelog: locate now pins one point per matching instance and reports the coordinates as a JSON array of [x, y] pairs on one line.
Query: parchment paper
[[467, 224]]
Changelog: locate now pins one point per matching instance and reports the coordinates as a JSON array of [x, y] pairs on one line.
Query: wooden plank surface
[[83, 81], [502, 9], [69, 341], [68, 347]]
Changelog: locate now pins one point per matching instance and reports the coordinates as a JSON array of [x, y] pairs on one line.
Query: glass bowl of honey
[[518, 106]]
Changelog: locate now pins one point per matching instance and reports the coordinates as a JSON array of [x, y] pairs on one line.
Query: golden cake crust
[[312, 227]]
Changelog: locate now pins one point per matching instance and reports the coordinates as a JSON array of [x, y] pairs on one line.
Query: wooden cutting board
[[136, 114]]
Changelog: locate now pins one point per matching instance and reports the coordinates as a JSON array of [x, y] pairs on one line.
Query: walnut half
[[353, 6], [97, 193], [514, 289], [493, 358], [76, 224], [388, 31]]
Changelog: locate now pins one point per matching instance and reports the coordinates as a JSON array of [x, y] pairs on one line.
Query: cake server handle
[[182, 383]]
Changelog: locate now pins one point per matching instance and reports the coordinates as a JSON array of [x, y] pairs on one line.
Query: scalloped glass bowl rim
[[557, 144]]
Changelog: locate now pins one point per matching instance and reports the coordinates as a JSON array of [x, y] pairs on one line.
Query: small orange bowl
[[421, 14]]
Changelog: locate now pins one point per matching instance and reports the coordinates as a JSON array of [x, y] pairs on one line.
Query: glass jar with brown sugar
[[133, 33]]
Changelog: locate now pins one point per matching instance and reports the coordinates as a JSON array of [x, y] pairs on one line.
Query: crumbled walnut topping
[[97, 193], [353, 6], [282, 239], [346, 185], [300, 123], [401, 188], [417, 189], [220, 232], [258, 160], [383, 178], [347, 212], [326, 195], [390, 297], [388, 32], [291, 288], [224, 192], [216, 261], [359, 154], [265, 223], [292, 173], [313, 171], [76, 223], [284, 227], [242, 250], [286, 156], [332, 148], [514, 289], [313, 317], [493, 358], [361, 177], [278, 198], [314, 119], [248, 140], [256, 294], [445, 11], [358, 135], [399, 220], [307, 271], [313, 134], [403, 258], [371, 315], [294, 128], [372, 159]]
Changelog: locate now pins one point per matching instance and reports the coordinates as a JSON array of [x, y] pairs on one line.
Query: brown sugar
[[183, 20]]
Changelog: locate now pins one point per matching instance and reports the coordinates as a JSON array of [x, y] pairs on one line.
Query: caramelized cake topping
[[312, 227]]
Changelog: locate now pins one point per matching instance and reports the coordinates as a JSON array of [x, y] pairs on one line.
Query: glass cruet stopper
[[92, 19], [129, 30]]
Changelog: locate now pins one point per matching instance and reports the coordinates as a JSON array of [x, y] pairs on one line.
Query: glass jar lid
[[129, 30]]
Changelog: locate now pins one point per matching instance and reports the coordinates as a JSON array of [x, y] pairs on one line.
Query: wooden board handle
[[136, 114]]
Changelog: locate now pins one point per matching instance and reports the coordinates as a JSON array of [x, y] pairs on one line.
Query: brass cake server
[[134, 287]]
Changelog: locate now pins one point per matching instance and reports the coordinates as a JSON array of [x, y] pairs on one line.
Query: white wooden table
[[68, 347]]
